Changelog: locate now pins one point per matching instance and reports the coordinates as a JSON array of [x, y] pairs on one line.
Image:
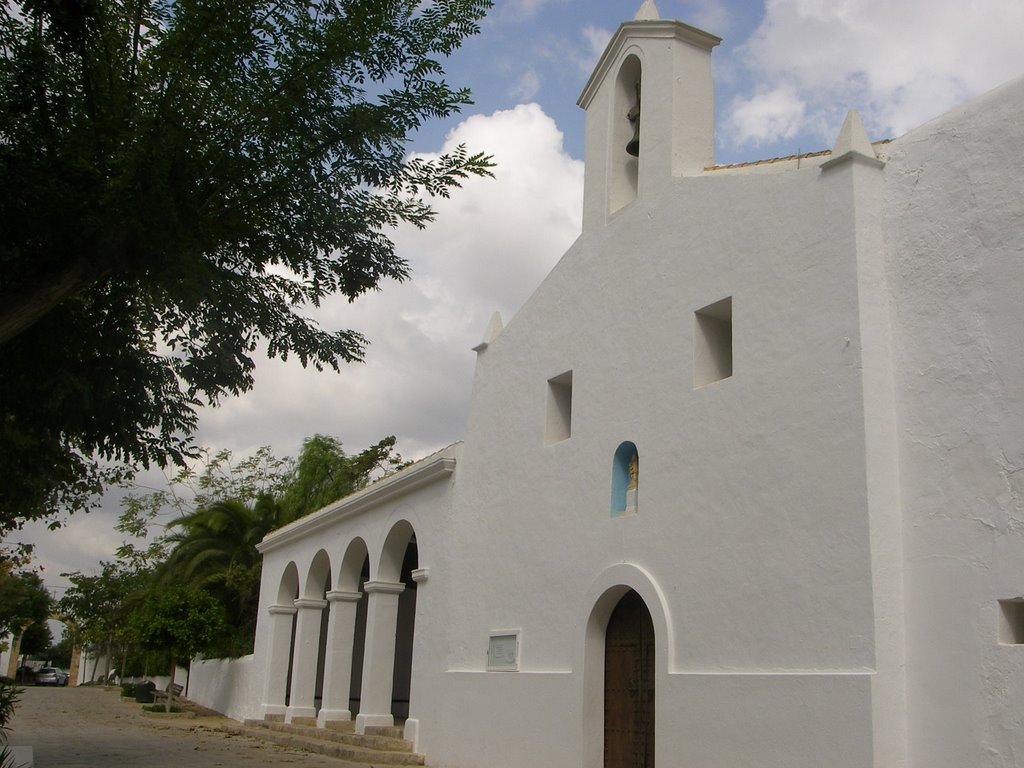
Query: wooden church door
[[629, 686]]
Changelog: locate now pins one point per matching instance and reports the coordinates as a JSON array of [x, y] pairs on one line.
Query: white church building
[[742, 484]]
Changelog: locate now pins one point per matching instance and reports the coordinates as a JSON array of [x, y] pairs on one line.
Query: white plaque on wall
[[503, 651]]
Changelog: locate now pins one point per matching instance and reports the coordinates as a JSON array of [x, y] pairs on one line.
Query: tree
[[182, 620], [213, 547], [325, 473], [59, 654], [9, 697], [23, 600], [36, 638], [99, 607], [180, 180]]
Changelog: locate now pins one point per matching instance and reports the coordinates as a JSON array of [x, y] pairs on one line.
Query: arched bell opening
[[625, 135]]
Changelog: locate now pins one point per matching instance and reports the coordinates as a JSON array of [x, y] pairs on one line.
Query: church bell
[[633, 145]]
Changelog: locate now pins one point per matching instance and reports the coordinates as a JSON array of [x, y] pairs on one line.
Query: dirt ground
[[92, 728]]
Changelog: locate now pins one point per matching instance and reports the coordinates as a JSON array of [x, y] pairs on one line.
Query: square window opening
[[1011, 621], [712, 343], [559, 416]]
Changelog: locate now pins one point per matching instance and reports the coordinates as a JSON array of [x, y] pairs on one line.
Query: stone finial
[[852, 143], [494, 327], [648, 12], [852, 137]]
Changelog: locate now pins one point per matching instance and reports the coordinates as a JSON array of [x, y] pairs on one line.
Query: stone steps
[[377, 747]]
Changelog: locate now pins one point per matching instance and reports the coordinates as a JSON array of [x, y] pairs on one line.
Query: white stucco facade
[[819, 366]]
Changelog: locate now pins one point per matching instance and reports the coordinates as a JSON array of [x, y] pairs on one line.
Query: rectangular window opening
[[712, 343], [1011, 621], [559, 418]]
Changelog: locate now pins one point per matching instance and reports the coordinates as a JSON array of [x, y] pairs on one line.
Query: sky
[[786, 73]]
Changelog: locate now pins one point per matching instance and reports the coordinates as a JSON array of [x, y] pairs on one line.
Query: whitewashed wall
[[955, 230], [821, 538], [229, 686]]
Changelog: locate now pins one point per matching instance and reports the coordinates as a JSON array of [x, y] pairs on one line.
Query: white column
[[307, 651], [379, 656], [341, 626], [277, 660]]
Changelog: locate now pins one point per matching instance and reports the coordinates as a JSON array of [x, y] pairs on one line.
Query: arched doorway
[[629, 662]]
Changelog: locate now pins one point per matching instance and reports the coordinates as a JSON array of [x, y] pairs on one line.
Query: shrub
[[9, 694]]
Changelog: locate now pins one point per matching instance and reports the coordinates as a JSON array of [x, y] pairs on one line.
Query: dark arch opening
[[358, 643], [629, 662], [404, 632]]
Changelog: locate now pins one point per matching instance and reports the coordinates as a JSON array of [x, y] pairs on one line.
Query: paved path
[[92, 728]]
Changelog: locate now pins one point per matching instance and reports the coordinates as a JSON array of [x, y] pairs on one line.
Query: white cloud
[[492, 244], [79, 544], [522, 10], [899, 63], [596, 40], [710, 15], [768, 116], [526, 87]]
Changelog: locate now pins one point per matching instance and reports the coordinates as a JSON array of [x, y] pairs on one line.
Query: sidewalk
[[92, 728]]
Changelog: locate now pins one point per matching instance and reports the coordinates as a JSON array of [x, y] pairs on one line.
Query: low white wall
[[228, 686]]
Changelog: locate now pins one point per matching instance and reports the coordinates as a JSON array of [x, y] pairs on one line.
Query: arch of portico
[[390, 621], [309, 646], [282, 636], [345, 638], [341, 640]]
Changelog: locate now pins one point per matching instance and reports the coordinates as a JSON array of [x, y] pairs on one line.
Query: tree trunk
[[170, 685], [106, 663], [95, 664], [20, 313]]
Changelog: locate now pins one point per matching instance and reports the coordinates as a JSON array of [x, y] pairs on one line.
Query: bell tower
[[650, 106]]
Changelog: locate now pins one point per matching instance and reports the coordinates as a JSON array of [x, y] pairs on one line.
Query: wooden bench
[[162, 695]]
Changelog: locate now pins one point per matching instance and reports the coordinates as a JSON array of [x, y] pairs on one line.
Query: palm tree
[[214, 549]]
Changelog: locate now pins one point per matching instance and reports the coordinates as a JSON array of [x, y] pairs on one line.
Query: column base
[[326, 716], [373, 721], [274, 711], [412, 732], [301, 714]]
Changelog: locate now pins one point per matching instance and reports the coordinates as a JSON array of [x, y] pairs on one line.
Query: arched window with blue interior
[[625, 479]]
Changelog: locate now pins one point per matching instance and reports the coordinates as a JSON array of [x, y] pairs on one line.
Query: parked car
[[51, 676]]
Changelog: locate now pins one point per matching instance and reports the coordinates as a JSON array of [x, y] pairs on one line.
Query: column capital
[[289, 610], [341, 596], [383, 587], [311, 602]]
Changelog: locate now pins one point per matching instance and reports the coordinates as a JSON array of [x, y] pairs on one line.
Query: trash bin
[[144, 692]]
